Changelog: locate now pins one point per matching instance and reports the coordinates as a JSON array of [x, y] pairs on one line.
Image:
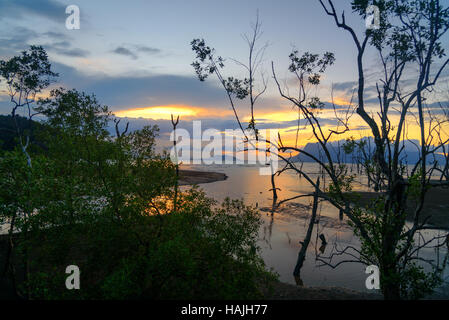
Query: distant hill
[[409, 154], [8, 132]]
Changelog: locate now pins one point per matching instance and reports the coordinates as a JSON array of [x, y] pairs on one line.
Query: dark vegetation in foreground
[[410, 63], [195, 253], [110, 206], [436, 206]]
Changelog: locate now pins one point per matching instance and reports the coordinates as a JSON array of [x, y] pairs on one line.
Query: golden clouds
[[158, 112], [339, 101], [164, 112]]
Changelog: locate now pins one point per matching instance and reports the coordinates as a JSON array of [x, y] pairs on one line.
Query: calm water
[[280, 234]]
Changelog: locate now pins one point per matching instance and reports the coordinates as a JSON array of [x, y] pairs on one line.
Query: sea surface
[[281, 233]]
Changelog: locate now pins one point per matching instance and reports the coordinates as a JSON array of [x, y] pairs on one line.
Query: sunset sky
[[135, 55]]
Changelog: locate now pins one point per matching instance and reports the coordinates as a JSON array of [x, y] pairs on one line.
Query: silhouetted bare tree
[[412, 61]]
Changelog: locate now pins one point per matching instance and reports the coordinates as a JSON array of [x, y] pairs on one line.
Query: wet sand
[[436, 205], [190, 177], [286, 291]]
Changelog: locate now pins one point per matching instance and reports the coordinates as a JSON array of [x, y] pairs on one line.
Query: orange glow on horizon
[[282, 119], [275, 117], [340, 101], [164, 112], [159, 112]]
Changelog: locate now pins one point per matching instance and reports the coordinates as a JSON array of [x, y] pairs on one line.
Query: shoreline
[[436, 206], [190, 177], [279, 290], [287, 291]]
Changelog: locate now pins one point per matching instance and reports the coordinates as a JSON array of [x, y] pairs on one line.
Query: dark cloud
[[140, 91], [130, 92], [16, 42], [294, 123], [21, 38], [55, 35], [439, 105], [125, 52], [166, 126], [344, 86], [75, 52], [155, 90], [371, 101], [61, 44], [220, 124], [50, 9], [71, 52], [148, 50], [360, 128]]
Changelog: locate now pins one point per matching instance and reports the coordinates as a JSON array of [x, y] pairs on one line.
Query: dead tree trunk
[[273, 187], [305, 243], [175, 200]]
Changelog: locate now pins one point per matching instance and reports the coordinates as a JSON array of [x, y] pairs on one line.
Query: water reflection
[[285, 225], [323, 246]]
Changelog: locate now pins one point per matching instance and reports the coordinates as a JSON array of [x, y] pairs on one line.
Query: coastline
[[190, 177], [436, 206], [281, 290], [285, 291]]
